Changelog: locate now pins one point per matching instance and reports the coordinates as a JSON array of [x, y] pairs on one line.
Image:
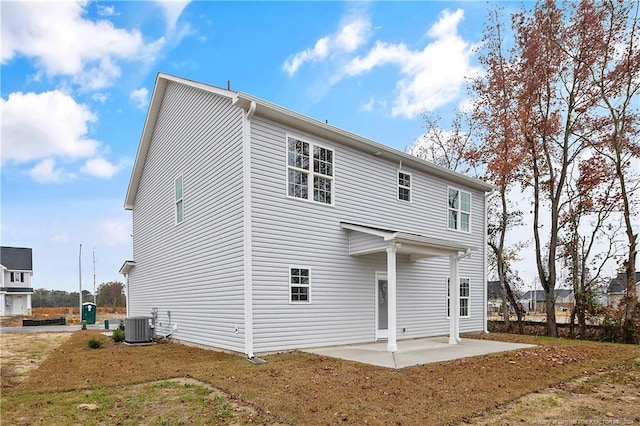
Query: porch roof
[[416, 245]]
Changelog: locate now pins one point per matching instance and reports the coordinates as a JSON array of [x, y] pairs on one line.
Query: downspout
[[248, 242], [126, 279]]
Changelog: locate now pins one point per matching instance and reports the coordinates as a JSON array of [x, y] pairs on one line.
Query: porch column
[[454, 300], [391, 296]]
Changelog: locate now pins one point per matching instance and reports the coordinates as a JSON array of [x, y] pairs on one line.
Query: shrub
[[94, 342], [118, 335]]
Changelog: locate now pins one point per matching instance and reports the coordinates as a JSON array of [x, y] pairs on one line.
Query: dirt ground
[[558, 382], [20, 354]]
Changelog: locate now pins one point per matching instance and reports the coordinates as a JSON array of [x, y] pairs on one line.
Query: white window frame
[[292, 285], [311, 175], [18, 275], [460, 297], [400, 186], [178, 201], [458, 211]]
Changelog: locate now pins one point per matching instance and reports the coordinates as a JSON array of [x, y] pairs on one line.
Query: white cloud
[[64, 42], [99, 167], [39, 126], [352, 34], [101, 97], [368, 106], [172, 9], [106, 10], [372, 103], [140, 97], [433, 76], [318, 52], [114, 232], [47, 172]]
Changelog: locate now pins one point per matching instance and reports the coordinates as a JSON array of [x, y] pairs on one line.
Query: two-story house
[[260, 229], [16, 267]]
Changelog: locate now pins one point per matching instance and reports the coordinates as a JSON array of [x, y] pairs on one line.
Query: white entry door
[[382, 307]]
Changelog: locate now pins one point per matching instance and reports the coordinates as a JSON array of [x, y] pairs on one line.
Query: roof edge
[[314, 126], [159, 88]]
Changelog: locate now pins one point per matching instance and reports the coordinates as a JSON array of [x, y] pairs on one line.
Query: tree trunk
[[550, 304]]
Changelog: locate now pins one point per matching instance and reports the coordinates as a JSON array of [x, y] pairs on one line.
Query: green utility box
[[89, 312]]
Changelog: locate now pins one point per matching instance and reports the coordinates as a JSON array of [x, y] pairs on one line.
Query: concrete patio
[[415, 351]]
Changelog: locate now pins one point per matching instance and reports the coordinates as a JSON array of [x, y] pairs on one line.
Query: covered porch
[[365, 240]]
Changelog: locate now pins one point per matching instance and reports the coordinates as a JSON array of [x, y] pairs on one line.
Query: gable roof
[[16, 258], [493, 289], [618, 284], [539, 294], [288, 117]]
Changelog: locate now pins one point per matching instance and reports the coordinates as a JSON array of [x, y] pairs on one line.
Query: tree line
[[556, 116], [107, 294]]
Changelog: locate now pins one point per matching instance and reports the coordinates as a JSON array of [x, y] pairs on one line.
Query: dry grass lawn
[[300, 388]]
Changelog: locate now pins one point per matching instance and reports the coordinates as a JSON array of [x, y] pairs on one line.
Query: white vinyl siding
[[459, 210], [194, 270], [404, 186], [288, 233], [178, 201], [309, 171]]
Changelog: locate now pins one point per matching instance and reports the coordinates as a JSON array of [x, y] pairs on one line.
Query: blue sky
[[76, 80]]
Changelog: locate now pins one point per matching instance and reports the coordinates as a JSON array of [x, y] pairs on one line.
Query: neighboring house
[[16, 265], [534, 300], [618, 287], [261, 229], [494, 296]]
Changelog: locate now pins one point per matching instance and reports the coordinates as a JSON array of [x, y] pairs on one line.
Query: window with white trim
[[459, 211], [404, 186], [309, 165], [299, 285], [179, 203], [17, 277], [464, 297]]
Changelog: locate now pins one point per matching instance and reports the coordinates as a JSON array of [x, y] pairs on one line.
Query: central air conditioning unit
[[137, 330]]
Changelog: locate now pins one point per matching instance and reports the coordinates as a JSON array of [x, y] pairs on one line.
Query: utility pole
[[80, 281], [94, 277]]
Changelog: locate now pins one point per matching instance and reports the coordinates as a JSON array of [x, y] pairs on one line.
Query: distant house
[[16, 265], [534, 300], [494, 296], [618, 286], [261, 229]]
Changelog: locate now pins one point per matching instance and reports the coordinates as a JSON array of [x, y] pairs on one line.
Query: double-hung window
[[17, 277], [299, 285], [309, 171], [459, 211], [179, 204], [464, 297], [404, 186]]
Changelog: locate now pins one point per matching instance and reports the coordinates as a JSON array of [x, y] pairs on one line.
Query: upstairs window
[[17, 277], [179, 204], [299, 285], [404, 186], [309, 171], [459, 211]]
